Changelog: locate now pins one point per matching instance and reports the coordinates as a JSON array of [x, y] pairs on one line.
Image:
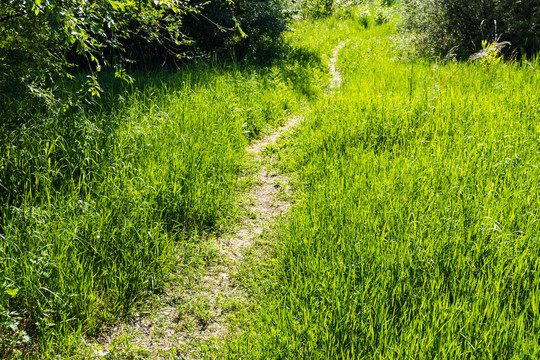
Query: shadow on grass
[[37, 134]]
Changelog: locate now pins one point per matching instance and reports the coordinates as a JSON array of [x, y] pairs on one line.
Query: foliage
[[11, 336], [378, 12], [313, 9], [489, 56], [318, 8], [383, 13], [364, 15], [242, 26], [40, 40], [436, 26]]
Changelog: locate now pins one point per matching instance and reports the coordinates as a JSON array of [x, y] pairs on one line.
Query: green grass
[[415, 229], [99, 204]]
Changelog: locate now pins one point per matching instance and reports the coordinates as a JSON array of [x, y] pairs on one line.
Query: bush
[[318, 8], [243, 26], [383, 14], [313, 9], [363, 15], [41, 41], [436, 26]]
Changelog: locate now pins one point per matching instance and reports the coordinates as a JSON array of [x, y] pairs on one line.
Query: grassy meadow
[[415, 229], [101, 203]]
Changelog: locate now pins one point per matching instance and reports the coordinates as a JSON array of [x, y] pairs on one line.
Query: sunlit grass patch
[[415, 233]]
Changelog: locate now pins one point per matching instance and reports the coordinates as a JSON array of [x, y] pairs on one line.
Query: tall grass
[[415, 232], [99, 202]]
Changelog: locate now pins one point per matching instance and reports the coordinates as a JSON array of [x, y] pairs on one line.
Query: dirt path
[[185, 321], [336, 76], [266, 204]]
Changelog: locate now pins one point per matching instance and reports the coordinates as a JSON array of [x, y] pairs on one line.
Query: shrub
[[244, 26], [363, 15], [317, 8], [40, 40], [382, 12], [345, 9], [436, 26], [313, 9]]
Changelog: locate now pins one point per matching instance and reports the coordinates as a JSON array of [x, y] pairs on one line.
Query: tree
[[439, 25], [37, 37], [242, 25]]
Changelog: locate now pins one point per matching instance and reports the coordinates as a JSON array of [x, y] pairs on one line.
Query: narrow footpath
[[186, 322]]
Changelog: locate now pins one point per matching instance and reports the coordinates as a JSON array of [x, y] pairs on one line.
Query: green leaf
[[11, 292]]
